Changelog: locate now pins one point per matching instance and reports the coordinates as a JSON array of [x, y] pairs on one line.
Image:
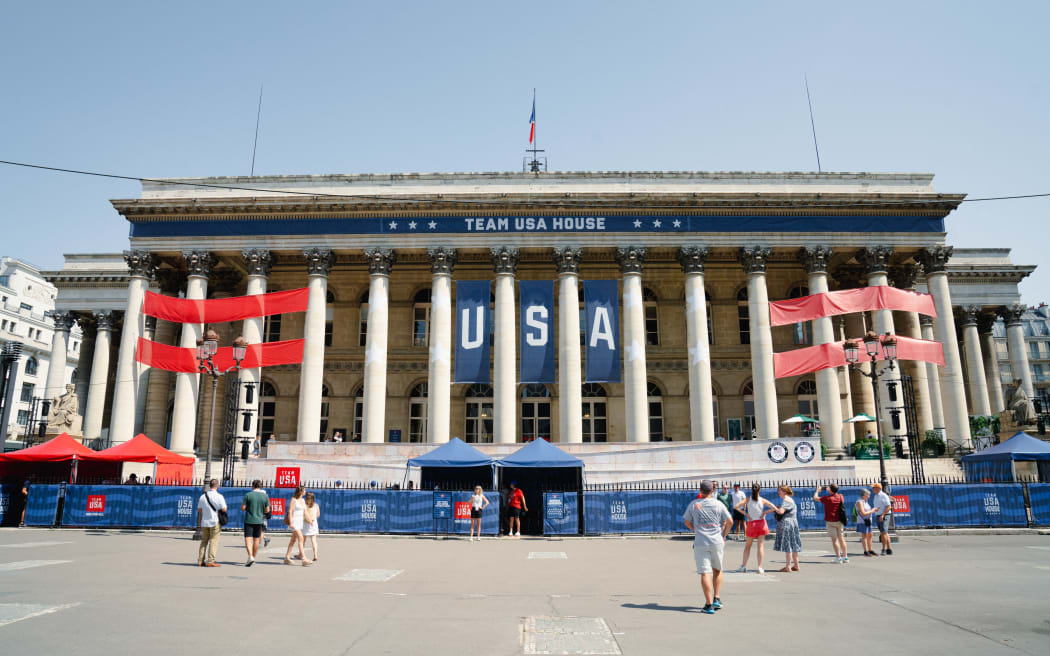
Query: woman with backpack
[[789, 540], [755, 509]]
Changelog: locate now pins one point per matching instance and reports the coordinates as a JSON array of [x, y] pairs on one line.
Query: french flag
[[532, 119]]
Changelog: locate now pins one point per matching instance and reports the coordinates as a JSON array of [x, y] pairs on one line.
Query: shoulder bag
[[224, 517]]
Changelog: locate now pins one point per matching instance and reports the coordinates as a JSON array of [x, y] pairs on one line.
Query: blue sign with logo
[[554, 505], [602, 334], [472, 331], [537, 331], [442, 505]]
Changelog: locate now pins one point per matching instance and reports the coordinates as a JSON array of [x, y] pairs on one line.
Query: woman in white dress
[[478, 503], [293, 519], [311, 514]]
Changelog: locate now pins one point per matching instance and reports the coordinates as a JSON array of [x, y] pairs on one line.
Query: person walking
[[311, 515], [755, 509], [255, 445], [293, 519], [710, 522], [515, 508], [208, 506], [739, 518], [834, 519], [255, 505], [478, 503], [883, 506], [863, 512], [788, 540]]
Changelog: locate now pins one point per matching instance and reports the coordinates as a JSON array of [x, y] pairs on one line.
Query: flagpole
[[535, 132]]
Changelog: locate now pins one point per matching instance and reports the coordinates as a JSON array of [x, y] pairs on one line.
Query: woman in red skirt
[[755, 509]]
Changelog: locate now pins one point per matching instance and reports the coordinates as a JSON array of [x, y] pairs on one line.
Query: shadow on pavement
[[655, 606]]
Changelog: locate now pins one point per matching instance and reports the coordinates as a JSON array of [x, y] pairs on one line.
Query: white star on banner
[[698, 353], [694, 301], [437, 354], [433, 225], [677, 223], [635, 351], [393, 225], [657, 224], [637, 223], [375, 355], [631, 299], [411, 225]]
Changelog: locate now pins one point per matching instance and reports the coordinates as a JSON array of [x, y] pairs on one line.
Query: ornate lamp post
[[871, 346], [206, 350]]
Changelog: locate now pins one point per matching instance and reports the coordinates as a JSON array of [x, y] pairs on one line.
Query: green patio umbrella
[[799, 419], [860, 418]]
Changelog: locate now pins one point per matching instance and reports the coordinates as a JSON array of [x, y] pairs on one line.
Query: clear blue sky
[[959, 89]]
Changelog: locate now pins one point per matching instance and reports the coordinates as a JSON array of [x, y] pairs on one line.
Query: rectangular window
[[744, 324], [1033, 349], [714, 405], [710, 332], [25, 306], [363, 328], [656, 421], [23, 417], [27, 392], [328, 327], [652, 326], [272, 333], [420, 317]]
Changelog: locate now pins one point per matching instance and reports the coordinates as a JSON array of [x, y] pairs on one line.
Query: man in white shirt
[[208, 507], [739, 519], [882, 504], [709, 521]]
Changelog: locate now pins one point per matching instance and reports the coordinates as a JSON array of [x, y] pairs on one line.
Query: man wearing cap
[[709, 521], [880, 501]]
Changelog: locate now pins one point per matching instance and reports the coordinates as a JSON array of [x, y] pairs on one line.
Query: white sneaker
[[518, 534], [740, 570], [761, 571]]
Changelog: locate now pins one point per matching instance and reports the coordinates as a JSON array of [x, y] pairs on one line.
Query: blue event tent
[[540, 453], [996, 463], [454, 465]]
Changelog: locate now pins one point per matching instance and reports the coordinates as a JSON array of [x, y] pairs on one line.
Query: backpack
[[842, 511]]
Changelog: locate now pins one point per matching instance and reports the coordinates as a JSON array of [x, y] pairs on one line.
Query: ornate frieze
[[505, 259], [754, 258], [258, 261], [442, 260], [692, 258], [567, 258], [934, 259], [318, 261], [815, 259], [380, 261]]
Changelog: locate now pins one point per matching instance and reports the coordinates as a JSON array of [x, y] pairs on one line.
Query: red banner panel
[[462, 510], [814, 358], [96, 503], [830, 304], [901, 504], [184, 360], [286, 477], [277, 507], [221, 310]]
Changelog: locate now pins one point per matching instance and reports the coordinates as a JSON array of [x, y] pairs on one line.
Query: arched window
[[801, 333], [743, 316], [656, 412], [358, 421], [652, 319], [417, 413], [807, 399], [479, 414], [595, 413], [31, 366], [329, 318], [324, 412], [750, 428], [363, 321], [267, 408], [421, 318], [535, 412]]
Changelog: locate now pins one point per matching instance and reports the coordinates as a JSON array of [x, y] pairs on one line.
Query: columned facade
[[257, 263], [187, 386], [505, 263], [570, 370], [1016, 345], [977, 380], [96, 397], [636, 399], [56, 371], [439, 380], [767, 422], [933, 376], [380, 262], [701, 407], [985, 327], [141, 269], [815, 261], [318, 262], [876, 265]]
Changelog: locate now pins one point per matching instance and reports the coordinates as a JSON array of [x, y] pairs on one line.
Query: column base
[[835, 454]]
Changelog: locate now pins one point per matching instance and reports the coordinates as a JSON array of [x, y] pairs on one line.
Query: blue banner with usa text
[[602, 334], [537, 330], [472, 331]]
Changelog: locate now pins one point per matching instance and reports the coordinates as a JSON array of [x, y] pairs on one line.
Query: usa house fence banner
[[537, 330], [602, 333], [472, 331], [560, 515], [1039, 494]]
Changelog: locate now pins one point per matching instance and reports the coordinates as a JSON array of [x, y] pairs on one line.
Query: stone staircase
[[901, 468]]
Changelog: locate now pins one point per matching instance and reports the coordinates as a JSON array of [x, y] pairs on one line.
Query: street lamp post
[[871, 346]]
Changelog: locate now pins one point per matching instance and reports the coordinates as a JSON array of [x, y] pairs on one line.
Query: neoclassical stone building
[[698, 257]]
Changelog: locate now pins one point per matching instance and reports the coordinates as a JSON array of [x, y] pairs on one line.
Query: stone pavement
[[106, 592]]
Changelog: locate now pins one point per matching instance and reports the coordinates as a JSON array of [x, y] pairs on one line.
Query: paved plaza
[[106, 592]]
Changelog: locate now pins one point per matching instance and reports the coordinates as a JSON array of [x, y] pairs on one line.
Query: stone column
[[380, 261], [846, 387], [636, 397], [903, 277], [311, 377], [143, 373], [829, 400], [82, 381], [701, 404], [141, 268], [991, 362], [934, 261], [158, 391], [257, 262], [187, 386], [933, 377], [863, 399], [570, 374], [978, 383], [56, 367], [505, 263], [1018, 349], [876, 265], [764, 383], [96, 398], [439, 381]]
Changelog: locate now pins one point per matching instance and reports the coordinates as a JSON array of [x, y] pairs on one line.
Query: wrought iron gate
[[911, 423], [229, 430]]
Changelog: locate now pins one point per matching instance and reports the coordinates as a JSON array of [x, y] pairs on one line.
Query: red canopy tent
[[54, 458], [170, 467]]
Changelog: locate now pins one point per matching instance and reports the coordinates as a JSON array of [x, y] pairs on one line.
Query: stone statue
[[1021, 406], [63, 417]]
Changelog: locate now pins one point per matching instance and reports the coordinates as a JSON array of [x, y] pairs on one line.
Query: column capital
[[380, 261], [442, 260], [926, 320], [151, 325], [504, 259], [318, 261], [815, 259], [141, 263], [935, 258], [1012, 313], [198, 263], [63, 320], [754, 258], [567, 258], [692, 258], [903, 276], [985, 321], [105, 320], [875, 259], [257, 261], [630, 258], [969, 314]]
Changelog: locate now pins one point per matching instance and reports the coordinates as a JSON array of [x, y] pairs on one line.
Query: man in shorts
[[834, 504], [883, 506], [710, 522], [739, 519], [515, 507], [255, 506]]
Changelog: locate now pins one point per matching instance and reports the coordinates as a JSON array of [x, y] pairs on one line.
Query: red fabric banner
[[814, 358], [221, 310], [830, 304], [184, 360]]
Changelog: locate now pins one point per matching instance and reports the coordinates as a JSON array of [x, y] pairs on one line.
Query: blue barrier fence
[[42, 505], [9, 504], [560, 513], [1039, 495]]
